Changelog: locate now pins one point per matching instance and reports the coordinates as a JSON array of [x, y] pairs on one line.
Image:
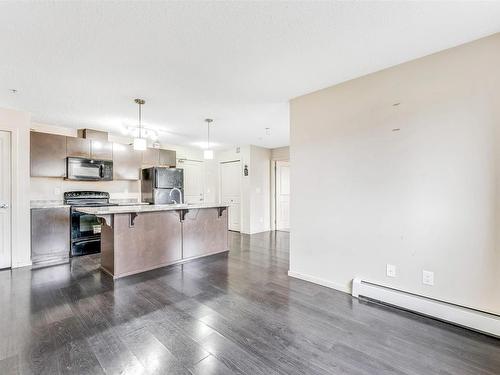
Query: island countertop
[[136, 238], [110, 210]]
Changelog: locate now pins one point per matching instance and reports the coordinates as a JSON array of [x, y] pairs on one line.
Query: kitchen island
[[136, 239]]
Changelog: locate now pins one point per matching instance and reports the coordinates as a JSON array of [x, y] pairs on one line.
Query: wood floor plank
[[236, 313]]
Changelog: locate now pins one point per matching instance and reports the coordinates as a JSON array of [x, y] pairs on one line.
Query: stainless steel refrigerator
[[157, 184]]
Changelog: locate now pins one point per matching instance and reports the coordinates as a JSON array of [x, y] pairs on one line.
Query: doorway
[[193, 181], [230, 192], [282, 198], [5, 200]]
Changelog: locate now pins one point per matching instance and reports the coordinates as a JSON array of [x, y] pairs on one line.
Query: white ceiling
[[81, 64]]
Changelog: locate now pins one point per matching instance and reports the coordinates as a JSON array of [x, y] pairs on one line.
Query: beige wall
[[425, 197], [281, 153]]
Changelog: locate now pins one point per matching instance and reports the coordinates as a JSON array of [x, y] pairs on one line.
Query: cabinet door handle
[[4, 205]]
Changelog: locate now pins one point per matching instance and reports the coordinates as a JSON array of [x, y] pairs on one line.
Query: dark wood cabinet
[[78, 147], [155, 157], [89, 148], [50, 235], [151, 157], [47, 155], [168, 158], [127, 162], [101, 150]]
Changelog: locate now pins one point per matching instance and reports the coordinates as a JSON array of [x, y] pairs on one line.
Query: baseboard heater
[[469, 318]]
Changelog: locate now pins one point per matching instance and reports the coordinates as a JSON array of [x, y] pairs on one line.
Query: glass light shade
[[140, 144], [208, 154]]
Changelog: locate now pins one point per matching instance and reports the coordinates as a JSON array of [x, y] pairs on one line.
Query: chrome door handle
[[4, 205]]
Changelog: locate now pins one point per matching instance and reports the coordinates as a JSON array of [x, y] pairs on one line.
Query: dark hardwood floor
[[227, 314]]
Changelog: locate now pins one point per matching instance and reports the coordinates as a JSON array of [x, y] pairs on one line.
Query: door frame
[[11, 194], [241, 185], [274, 191]]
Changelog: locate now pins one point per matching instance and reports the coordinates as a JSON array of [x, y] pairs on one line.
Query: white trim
[[18, 124], [462, 316], [323, 282]]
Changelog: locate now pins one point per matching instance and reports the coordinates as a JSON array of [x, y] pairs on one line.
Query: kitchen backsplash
[[54, 188]]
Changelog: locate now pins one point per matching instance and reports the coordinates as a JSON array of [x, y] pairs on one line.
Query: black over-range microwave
[[82, 169]]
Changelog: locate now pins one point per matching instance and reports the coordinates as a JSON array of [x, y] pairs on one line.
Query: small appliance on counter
[[161, 185], [85, 228], [82, 169]]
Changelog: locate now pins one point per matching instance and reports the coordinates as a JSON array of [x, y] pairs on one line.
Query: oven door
[[85, 234], [84, 169]]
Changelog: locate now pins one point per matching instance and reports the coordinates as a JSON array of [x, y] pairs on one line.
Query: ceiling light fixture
[[208, 154], [140, 143]]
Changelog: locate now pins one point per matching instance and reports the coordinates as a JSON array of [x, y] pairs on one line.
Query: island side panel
[[107, 248], [153, 241], [204, 232]]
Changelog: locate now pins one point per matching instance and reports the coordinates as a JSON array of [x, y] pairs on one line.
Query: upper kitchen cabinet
[[155, 157], [168, 158], [102, 150], [78, 147], [47, 155], [127, 162], [151, 157]]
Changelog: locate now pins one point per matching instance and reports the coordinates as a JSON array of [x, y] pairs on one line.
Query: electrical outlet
[[391, 270], [57, 191], [428, 277]]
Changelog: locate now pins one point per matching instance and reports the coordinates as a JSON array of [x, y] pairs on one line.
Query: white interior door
[[193, 181], [5, 204], [283, 195], [231, 192]]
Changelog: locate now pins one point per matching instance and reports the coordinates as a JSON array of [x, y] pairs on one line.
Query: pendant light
[[140, 143], [208, 154]]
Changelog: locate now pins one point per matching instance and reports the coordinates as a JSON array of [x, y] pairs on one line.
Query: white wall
[[423, 198], [255, 188], [260, 189], [18, 123]]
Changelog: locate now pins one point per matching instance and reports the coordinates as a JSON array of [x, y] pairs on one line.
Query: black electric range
[[85, 228]]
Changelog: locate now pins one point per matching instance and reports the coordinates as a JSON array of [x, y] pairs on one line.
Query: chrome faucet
[[180, 195]]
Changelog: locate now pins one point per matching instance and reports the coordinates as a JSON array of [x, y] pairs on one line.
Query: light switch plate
[[391, 270], [428, 277]]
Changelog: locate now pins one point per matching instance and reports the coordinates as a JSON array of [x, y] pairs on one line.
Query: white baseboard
[[323, 282], [459, 315], [21, 264]]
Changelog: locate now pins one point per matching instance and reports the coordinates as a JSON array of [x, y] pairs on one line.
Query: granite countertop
[[48, 204], [127, 202], [60, 204], [110, 210]]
